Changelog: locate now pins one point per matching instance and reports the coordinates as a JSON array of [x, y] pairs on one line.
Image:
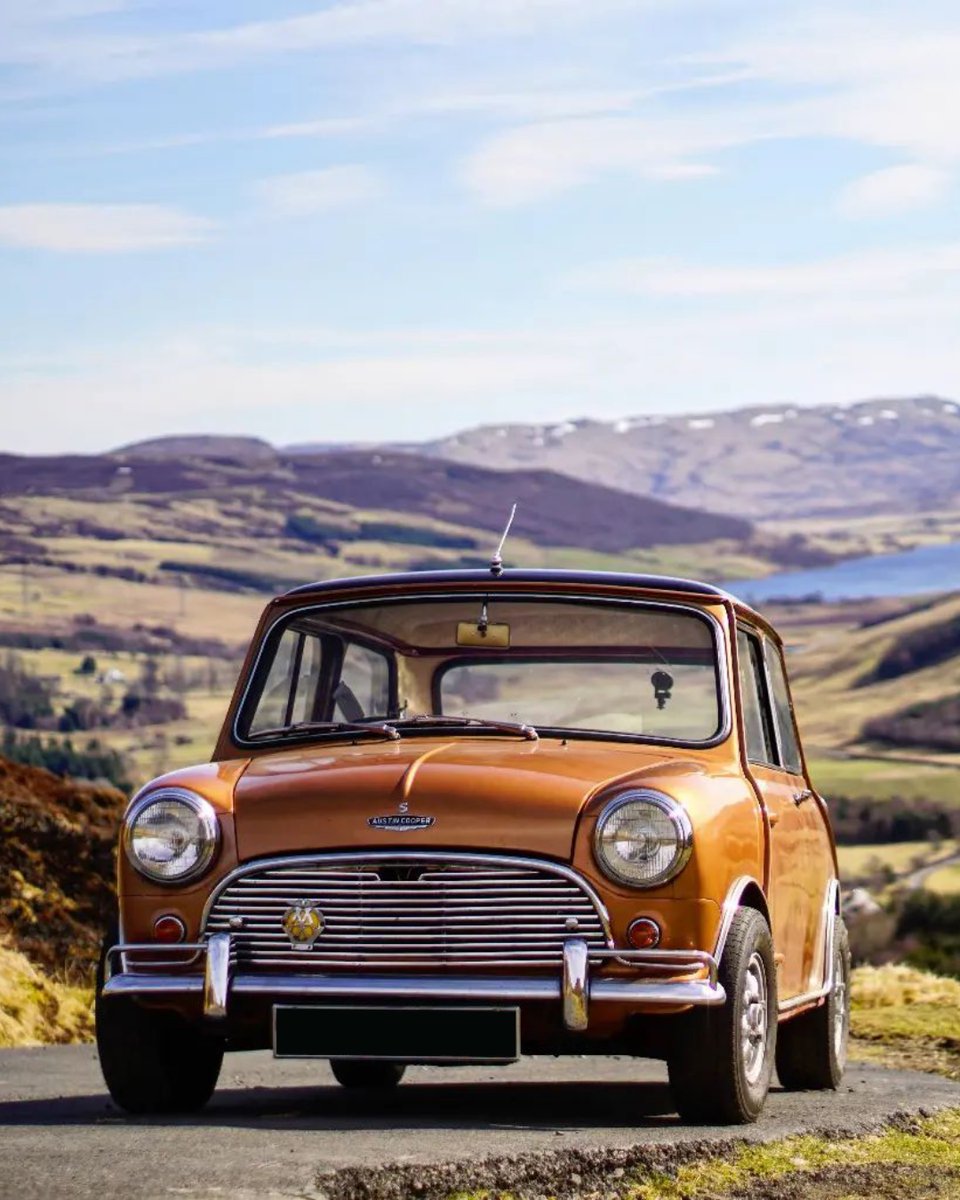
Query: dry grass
[[895, 985], [36, 1010]]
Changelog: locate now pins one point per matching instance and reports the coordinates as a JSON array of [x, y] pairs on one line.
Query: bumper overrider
[[573, 987]]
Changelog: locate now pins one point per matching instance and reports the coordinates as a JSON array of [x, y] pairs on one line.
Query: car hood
[[481, 793]]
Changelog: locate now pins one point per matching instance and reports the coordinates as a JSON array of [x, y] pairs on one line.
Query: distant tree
[[88, 666]]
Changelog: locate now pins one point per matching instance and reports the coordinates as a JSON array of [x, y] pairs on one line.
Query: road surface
[[286, 1129]]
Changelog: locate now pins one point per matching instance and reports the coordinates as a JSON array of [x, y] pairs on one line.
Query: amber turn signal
[[643, 933], [169, 929]]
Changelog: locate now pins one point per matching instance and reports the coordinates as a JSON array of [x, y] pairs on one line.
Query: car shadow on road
[[534, 1106]]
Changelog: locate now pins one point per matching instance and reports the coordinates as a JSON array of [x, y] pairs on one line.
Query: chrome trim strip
[[699, 993], [406, 855], [216, 980], [729, 910], [518, 591], [575, 985], [676, 962], [828, 921]]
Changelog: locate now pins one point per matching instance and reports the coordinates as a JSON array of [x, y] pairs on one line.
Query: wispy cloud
[[883, 270], [114, 57], [99, 228], [304, 193], [894, 190]]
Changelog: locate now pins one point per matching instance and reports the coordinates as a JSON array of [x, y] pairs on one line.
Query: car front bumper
[[575, 987]]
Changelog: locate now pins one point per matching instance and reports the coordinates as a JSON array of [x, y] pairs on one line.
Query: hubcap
[[753, 1018], [841, 1016]]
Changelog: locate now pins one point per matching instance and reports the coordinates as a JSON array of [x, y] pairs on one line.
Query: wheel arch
[[744, 892]]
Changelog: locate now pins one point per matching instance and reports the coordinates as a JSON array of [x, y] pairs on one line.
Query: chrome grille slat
[[409, 911]]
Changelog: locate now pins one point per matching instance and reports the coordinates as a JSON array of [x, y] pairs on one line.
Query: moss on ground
[[921, 1157]]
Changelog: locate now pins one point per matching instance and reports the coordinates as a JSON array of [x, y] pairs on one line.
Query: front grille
[[407, 912]]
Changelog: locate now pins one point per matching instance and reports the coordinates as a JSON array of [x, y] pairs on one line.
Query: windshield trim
[[719, 643]]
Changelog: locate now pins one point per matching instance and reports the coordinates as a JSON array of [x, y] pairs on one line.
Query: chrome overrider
[[573, 986]]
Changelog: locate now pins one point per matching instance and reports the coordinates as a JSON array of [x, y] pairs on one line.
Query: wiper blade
[[521, 729], [380, 727]]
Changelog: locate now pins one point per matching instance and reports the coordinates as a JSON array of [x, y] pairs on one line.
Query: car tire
[[153, 1061], [722, 1059], [365, 1073], [812, 1048]]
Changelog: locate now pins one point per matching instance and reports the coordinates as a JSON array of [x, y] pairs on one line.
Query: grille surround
[[408, 910]]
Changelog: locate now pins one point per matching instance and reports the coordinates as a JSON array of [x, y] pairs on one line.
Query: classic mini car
[[457, 817]]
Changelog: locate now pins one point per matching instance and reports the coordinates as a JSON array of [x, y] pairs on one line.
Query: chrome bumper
[[573, 986]]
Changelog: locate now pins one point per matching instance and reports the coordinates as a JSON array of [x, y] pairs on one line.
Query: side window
[[758, 726], [786, 725], [290, 689], [364, 686]]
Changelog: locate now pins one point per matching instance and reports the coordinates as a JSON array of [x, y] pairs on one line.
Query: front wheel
[[366, 1073], [812, 1048], [153, 1061], [722, 1061]]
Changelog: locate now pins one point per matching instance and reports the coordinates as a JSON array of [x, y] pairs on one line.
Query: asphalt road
[[286, 1129]]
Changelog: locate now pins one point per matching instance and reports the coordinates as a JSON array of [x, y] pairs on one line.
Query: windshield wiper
[[380, 727], [517, 727]]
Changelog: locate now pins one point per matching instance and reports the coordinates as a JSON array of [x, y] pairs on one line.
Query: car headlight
[[171, 835], [643, 838]]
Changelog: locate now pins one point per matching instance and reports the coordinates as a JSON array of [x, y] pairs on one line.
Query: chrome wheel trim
[[754, 1018], [841, 1017]]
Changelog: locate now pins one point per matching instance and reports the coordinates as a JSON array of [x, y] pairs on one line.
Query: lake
[[909, 573]]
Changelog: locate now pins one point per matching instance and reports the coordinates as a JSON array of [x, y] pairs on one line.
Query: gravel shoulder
[[284, 1129]]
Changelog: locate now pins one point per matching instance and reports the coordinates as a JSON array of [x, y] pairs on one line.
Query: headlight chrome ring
[[175, 843], [660, 841]]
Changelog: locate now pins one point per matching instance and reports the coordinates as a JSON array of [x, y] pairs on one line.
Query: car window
[[757, 721], [786, 724], [290, 690], [364, 686]]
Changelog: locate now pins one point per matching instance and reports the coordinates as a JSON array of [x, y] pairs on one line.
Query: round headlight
[[171, 835], [643, 838]]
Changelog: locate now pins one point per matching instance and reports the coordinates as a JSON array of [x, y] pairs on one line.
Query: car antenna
[[496, 563]]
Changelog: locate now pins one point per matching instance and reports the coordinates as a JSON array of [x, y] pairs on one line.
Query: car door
[[811, 824], [771, 765]]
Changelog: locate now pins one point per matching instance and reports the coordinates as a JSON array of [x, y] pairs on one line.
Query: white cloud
[[878, 270], [417, 22], [893, 190], [99, 228], [532, 162], [305, 193]]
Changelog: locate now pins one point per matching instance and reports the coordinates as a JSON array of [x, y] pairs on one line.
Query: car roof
[[488, 581]]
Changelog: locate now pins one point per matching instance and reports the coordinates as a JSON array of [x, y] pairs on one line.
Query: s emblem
[[303, 923]]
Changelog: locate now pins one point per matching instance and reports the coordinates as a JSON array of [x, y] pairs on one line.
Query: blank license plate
[[424, 1035]]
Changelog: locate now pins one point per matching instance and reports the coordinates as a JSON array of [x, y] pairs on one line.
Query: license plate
[[410, 1034]]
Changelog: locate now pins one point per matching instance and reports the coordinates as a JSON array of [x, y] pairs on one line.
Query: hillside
[[57, 842], [878, 456], [553, 510]]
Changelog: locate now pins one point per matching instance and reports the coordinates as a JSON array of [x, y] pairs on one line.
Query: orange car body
[[761, 838]]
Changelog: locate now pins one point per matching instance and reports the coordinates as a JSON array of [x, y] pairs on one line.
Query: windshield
[[572, 666]]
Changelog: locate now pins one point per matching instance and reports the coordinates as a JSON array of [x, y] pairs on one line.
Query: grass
[[945, 881], [929, 1146], [879, 779], [858, 862], [36, 1010]]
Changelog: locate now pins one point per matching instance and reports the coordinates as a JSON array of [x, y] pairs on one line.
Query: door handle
[[799, 797]]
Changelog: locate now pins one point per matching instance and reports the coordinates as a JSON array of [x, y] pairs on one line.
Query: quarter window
[[786, 725], [757, 723]]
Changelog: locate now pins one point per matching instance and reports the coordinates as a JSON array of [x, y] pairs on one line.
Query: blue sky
[[397, 218]]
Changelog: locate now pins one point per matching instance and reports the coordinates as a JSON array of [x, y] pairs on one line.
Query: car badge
[[303, 923], [401, 821]]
